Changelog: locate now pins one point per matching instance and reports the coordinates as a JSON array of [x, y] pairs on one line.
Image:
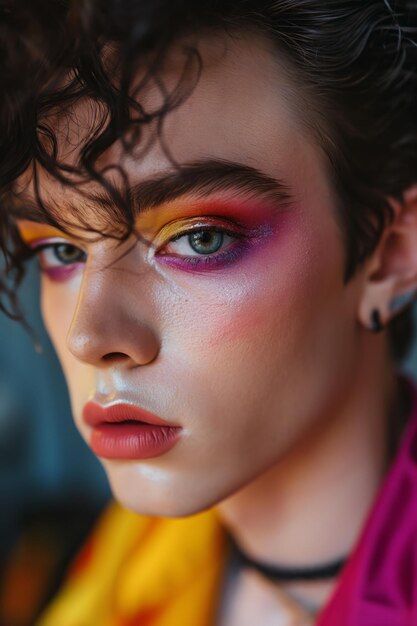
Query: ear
[[391, 277]]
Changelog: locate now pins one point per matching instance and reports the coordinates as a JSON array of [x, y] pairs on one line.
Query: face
[[227, 318]]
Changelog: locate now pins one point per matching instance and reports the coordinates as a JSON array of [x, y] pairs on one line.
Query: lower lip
[[132, 441]]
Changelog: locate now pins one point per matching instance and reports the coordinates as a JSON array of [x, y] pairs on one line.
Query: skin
[[266, 362]]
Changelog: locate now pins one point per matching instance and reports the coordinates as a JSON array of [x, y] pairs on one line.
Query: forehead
[[244, 108]]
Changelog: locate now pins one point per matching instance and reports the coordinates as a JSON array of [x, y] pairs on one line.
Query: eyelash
[[203, 261], [62, 270], [213, 260]]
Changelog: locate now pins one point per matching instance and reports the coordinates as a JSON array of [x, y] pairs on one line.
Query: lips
[[125, 431], [95, 414]]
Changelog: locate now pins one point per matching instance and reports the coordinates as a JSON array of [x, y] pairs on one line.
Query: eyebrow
[[207, 177], [199, 178]]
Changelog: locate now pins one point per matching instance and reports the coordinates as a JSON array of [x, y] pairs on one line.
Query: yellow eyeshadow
[[167, 220], [152, 221], [31, 231], [170, 230]]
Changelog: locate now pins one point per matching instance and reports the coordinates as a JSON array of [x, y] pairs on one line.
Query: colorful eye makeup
[[181, 236], [58, 259], [203, 244]]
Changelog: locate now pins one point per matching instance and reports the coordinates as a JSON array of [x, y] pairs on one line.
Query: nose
[[110, 322]]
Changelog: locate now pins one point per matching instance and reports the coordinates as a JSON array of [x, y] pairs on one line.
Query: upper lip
[[95, 414]]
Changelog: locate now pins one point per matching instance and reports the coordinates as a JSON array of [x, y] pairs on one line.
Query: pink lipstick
[[125, 431]]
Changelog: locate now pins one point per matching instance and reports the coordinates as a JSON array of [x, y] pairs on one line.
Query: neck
[[310, 507]]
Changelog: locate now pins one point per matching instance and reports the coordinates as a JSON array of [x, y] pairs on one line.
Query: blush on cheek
[[272, 290]]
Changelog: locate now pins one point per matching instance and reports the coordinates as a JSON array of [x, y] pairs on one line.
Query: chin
[[147, 490]]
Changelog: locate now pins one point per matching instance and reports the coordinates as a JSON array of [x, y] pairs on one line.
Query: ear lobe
[[377, 295], [391, 277]]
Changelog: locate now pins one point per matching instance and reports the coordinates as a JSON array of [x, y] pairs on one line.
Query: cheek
[[266, 338], [58, 304], [277, 288]]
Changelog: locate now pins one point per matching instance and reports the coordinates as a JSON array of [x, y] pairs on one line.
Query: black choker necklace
[[289, 574]]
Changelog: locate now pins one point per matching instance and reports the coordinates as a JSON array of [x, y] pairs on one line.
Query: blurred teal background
[[45, 467]]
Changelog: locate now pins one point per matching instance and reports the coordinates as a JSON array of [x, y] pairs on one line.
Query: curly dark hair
[[356, 60]]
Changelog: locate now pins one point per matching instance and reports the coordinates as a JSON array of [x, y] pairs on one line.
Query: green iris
[[68, 254], [206, 241]]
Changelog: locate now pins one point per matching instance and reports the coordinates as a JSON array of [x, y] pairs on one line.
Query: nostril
[[114, 356]]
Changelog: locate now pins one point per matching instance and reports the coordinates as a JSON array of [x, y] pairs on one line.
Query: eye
[[58, 254], [201, 242], [203, 245], [58, 259]]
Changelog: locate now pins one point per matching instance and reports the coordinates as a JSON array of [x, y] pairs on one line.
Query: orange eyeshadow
[[30, 231]]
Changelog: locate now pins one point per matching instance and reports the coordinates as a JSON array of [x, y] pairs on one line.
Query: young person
[[222, 197]]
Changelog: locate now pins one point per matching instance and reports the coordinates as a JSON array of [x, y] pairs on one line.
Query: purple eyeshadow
[[208, 262], [61, 273]]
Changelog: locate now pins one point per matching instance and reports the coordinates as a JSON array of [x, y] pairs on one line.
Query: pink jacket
[[378, 586]]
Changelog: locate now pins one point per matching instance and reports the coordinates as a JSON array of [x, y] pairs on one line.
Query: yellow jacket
[[144, 571]]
